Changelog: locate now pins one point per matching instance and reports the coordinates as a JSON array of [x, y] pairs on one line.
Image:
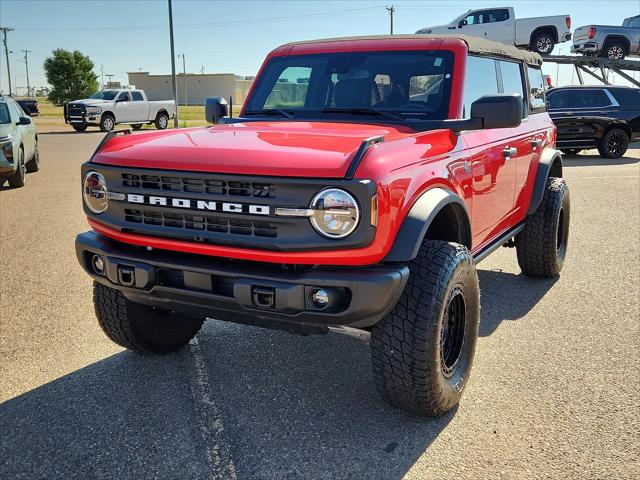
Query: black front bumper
[[257, 293]]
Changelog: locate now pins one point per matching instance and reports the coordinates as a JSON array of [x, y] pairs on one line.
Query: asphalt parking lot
[[553, 393]]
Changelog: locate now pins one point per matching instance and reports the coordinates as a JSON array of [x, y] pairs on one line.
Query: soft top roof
[[474, 45]]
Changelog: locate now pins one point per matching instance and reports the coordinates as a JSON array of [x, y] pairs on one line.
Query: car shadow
[[292, 407], [507, 296], [595, 161]]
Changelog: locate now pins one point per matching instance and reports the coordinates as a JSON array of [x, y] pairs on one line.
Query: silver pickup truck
[[107, 108], [608, 41]]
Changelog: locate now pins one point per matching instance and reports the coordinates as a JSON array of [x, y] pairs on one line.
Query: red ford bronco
[[363, 181]]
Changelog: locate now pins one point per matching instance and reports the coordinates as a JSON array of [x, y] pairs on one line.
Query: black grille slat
[[199, 185]]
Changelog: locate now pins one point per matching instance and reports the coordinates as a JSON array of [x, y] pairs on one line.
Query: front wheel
[[422, 351], [614, 143], [79, 127], [140, 327], [543, 43], [19, 178], [33, 165], [162, 120], [107, 123], [542, 245]]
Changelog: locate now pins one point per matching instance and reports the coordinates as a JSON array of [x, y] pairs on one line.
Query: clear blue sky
[[234, 36]]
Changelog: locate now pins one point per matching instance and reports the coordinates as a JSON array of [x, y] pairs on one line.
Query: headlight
[[94, 192], [94, 110], [335, 213]]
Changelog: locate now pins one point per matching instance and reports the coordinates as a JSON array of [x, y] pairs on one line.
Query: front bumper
[[276, 296], [87, 119], [587, 47]]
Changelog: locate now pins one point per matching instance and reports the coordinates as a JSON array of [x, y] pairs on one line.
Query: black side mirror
[[215, 108], [503, 110], [24, 121], [463, 23]]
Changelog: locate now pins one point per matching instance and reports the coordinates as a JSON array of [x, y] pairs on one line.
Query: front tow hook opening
[[126, 276], [263, 297]]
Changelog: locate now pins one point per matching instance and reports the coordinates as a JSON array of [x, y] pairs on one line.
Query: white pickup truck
[[539, 34], [107, 108]]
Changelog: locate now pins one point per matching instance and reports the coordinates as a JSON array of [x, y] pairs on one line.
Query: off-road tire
[[136, 126], [407, 351], [543, 43], [542, 245], [33, 165], [140, 327], [615, 50], [570, 152], [162, 121], [79, 127], [19, 177], [614, 143], [107, 123]]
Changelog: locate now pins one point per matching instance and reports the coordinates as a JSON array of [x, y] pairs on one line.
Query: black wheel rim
[[616, 144], [452, 335]]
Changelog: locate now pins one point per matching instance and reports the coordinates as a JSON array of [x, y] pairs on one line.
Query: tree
[[70, 75]]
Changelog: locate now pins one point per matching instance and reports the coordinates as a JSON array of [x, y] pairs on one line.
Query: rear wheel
[[542, 245], [615, 50], [79, 127], [33, 165], [162, 120], [543, 43], [614, 143], [19, 178], [422, 352], [107, 123], [140, 327]]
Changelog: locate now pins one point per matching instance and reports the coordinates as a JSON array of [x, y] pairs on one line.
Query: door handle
[[536, 142], [509, 152]]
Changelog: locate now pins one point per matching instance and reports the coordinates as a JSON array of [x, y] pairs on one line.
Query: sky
[[234, 36]]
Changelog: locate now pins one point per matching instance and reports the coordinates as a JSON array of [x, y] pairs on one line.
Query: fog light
[[320, 298], [98, 264]]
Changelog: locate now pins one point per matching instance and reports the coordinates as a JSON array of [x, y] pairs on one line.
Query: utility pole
[[26, 63], [202, 70], [101, 76], [109, 75], [391, 11], [174, 87], [6, 53], [184, 75]]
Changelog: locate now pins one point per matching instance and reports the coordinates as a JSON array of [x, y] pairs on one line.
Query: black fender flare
[[550, 164], [417, 222]]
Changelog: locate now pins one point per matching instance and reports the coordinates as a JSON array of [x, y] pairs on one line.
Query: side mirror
[[503, 110], [463, 23], [24, 121], [121, 100], [215, 108]]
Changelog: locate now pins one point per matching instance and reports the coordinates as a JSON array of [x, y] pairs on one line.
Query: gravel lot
[[553, 394]]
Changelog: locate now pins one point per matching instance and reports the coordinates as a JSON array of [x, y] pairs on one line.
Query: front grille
[[75, 109], [199, 185], [210, 223]]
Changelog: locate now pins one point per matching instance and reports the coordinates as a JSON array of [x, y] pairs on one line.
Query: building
[[198, 86]]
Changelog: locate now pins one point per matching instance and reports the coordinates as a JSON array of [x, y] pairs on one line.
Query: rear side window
[[137, 96], [578, 98], [628, 98], [536, 90], [480, 79], [632, 22]]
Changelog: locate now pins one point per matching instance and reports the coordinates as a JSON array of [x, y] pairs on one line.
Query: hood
[[91, 101], [290, 149]]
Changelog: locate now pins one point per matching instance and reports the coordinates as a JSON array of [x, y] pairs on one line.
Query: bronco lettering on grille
[[212, 206]]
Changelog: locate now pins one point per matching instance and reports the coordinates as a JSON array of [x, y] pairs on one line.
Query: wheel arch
[[621, 125], [611, 38], [550, 165], [438, 214], [545, 28], [162, 110]]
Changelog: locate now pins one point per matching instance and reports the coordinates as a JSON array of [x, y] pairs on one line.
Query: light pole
[[174, 87], [184, 74], [26, 63], [6, 53]]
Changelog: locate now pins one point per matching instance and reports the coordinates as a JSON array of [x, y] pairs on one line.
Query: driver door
[[122, 108], [472, 24]]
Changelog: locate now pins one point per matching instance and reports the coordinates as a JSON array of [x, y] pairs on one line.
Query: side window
[[472, 19], [493, 16], [536, 90], [137, 96], [480, 79], [512, 81], [628, 98], [559, 100], [578, 98], [290, 89], [124, 96]]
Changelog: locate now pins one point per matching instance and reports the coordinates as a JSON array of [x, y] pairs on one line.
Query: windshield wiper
[[362, 111], [271, 111]]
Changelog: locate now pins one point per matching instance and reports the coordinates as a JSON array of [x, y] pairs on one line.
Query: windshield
[[4, 114], [394, 85], [104, 95]]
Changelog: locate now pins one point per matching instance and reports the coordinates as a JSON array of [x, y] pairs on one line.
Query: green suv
[[18, 143]]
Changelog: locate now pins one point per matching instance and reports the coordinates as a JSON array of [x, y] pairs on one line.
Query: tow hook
[[263, 297]]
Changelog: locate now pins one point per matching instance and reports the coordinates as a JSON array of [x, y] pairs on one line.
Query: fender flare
[[550, 162], [415, 225]]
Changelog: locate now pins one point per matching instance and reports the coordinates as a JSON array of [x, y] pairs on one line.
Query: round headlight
[[335, 213], [94, 192]]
